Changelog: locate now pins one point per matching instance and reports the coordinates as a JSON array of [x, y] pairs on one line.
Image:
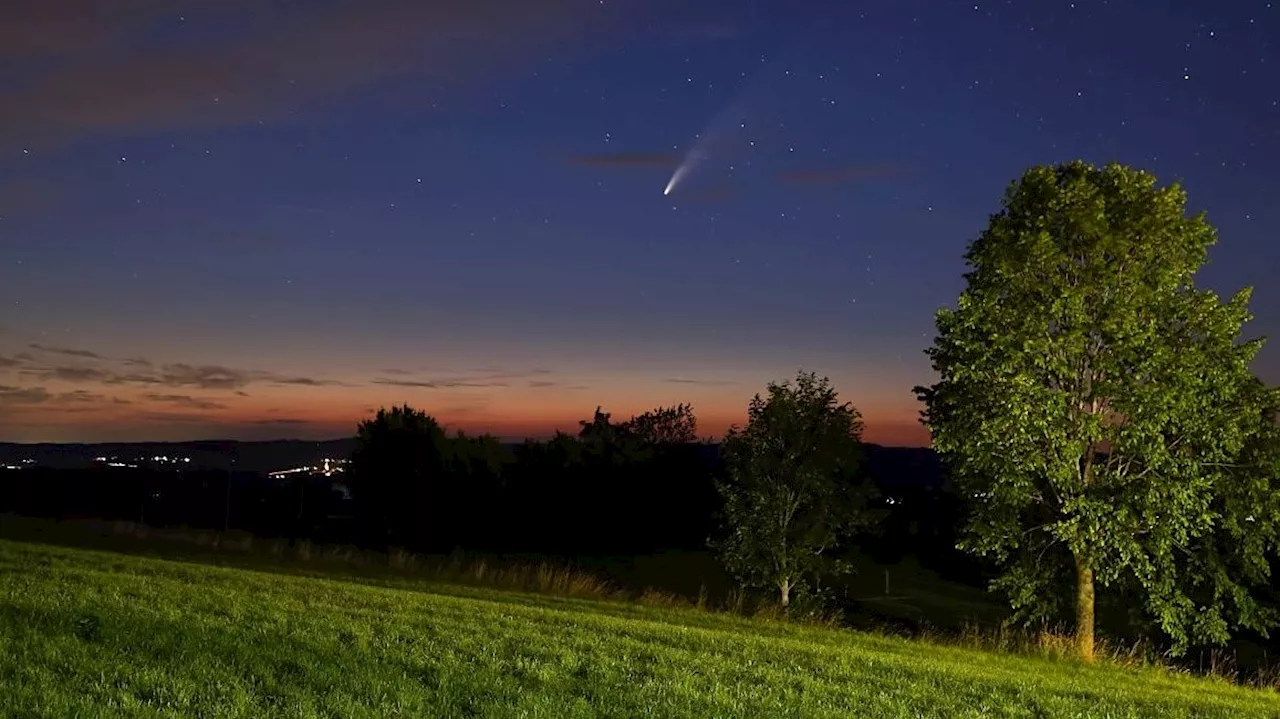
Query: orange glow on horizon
[[279, 404], [321, 420]]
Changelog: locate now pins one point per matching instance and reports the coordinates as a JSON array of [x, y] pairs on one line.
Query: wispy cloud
[[538, 384], [282, 421], [69, 352], [81, 395], [167, 417], [23, 395], [186, 401], [204, 376], [707, 382], [487, 377], [307, 382], [95, 367], [10, 395], [73, 374], [438, 383], [92, 67]]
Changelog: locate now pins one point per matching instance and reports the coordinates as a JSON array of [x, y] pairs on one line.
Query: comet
[[674, 179], [677, 175], [702, 148], [724, 134]]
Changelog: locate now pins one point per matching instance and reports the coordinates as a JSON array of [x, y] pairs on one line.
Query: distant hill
[[889, 465]]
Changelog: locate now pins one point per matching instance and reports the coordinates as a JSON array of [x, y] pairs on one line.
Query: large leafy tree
[[794, 485], [1099, 411], [399, 465]]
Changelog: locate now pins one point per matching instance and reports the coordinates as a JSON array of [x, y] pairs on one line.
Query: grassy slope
[[95, 634]]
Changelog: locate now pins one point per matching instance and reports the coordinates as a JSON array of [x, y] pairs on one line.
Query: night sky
[[225, 218]]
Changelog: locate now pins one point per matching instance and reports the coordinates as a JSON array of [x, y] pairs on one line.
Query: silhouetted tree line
[[615, 488], [642, 486]]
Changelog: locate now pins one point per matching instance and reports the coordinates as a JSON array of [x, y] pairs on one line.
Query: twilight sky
[[233, 218]]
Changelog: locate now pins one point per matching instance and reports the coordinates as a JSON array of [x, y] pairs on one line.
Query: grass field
[[95, 634]]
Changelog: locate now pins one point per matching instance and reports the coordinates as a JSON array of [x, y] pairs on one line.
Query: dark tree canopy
[[794, 487], [599, 430], [1098, 410], [401, 455], [664, 426]]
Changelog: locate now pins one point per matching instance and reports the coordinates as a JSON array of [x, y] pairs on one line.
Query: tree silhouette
[[1094, 405], [598, 429], [664, 426], [793, 488], [400, 461]]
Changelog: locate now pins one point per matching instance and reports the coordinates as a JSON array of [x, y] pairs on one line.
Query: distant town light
[[327, 468]]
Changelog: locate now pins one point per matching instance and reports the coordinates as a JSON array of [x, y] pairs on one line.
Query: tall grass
[[96, 635], [539, 577], [567, 580]]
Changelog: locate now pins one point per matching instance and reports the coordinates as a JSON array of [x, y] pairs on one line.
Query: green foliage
[[177, 639], [794, 488], [1097, 407]]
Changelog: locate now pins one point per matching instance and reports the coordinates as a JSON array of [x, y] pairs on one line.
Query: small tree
[[599, 430], [1098, 410], [665, 426], [793, 486]]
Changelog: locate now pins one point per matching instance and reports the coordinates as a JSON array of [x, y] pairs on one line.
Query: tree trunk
[[785, 586], [1084, 610]]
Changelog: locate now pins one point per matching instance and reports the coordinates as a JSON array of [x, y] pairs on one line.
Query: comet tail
[[675, 177]]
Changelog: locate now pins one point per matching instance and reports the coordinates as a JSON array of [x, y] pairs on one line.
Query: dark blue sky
[[246, 219]]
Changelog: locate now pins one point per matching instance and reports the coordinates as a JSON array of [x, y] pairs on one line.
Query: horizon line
[[505, 440]]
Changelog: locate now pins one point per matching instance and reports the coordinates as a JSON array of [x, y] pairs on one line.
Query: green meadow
[[98, 634]]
